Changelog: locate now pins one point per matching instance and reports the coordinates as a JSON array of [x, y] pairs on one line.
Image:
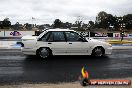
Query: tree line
[[5, 23], [103, 20]]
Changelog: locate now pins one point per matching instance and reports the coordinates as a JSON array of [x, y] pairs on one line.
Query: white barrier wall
[[23, 33], [16, 33], [130, 35], [1, 33], [116, 35]]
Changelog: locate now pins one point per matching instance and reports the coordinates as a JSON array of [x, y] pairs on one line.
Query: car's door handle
[[70, 43], [49, 43]]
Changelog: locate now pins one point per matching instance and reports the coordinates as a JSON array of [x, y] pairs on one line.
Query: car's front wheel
[[98, 52], [44, 53]]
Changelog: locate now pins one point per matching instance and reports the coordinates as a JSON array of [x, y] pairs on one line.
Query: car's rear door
[[57, 43]]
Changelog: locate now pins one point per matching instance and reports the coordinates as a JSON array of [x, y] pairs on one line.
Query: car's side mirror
[[84, 40]]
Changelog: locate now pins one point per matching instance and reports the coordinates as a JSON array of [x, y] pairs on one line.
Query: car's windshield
[[82, 36], [41, 34]]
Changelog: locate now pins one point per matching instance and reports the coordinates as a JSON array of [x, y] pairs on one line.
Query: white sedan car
[[63, 42]]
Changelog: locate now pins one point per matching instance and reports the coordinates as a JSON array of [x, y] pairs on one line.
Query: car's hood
[[98, 41], [91, 39], [95, 40], [29, 37]]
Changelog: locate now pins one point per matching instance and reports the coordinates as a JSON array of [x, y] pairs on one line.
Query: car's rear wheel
[[44, 53], [98, 52]]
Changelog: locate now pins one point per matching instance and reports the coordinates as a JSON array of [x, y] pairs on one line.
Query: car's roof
[[58, 29]]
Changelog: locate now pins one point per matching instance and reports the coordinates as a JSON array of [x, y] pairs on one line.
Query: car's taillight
[[20, 43]]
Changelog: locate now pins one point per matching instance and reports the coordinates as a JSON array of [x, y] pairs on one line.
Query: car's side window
[[50, 39], [57, 37], [45, 37], [73, 37]]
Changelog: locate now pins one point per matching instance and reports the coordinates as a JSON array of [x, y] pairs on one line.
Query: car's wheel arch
[[43, 47]]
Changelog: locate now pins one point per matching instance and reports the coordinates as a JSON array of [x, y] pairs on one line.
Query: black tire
[[44, 53], [98, 52]]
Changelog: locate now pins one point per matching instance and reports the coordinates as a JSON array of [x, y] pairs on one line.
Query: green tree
[[105, 20], [101, 19], [28, 26], [128, 21], [101, 16], [16, 26], [118, 23], [57, 23], [91, 24], [78, 24], [111, 21], [6, 23], [66, 25]]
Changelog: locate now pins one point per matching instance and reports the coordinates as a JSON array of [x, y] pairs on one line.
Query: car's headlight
[[109, 45]]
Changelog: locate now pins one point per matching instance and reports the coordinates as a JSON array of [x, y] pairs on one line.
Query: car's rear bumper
[[108, 51], [28, 51]]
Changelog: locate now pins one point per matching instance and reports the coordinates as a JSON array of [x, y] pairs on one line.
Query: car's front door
[[76, 45]]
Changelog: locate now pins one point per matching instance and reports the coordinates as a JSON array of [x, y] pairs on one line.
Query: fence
[[16, 33], [86, 34]]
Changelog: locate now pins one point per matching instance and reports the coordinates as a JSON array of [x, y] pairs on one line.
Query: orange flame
[[84, 73]]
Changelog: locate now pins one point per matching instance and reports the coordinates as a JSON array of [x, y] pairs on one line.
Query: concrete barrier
[[9, 45]]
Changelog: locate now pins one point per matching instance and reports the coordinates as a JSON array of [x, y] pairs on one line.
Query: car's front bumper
[[108, 51]]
